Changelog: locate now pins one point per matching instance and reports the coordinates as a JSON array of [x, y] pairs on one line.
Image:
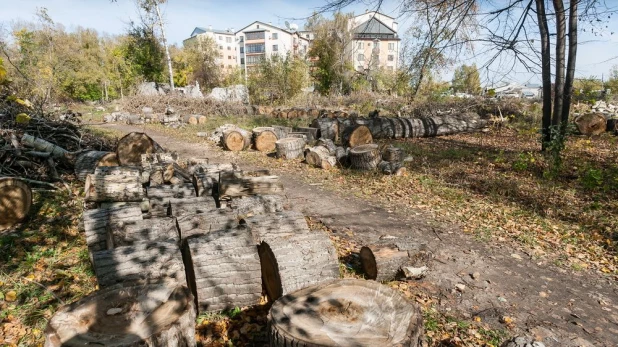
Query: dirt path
[[559, 307]]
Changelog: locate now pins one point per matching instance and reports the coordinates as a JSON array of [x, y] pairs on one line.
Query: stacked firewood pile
[[170, 238]]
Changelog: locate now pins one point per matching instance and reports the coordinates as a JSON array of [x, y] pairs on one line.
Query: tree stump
[[365, 157], [382, 263], [190, 119], [155, 315], [320, 156], [236, 139], [264, 139], [114, 183], [591, 124], [281, 131], [356, 135], [147, 230], [329, 144], [97, 221], [15, 201], [292, 256], [87, 161], [142, 262], [290, 148], [233, 185], [223, 269], [342, 156], [393, 154], [328, 128], [205, 222], [345, 312], [312, 133], [131, 147], [257, 204], [185, 206]]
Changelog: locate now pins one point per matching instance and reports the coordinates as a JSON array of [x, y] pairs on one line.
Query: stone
[[475, 275], [237, 93], [149, 89], [415, 272], [147, 110], [460, 287]]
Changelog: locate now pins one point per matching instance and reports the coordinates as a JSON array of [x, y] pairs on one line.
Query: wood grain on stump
[[290, 148], [591, 124], [131, 147], [292, 256], [345, 312], [147, 230], [320, 156], [356, 135], [264, 139], [223, 269], [87, 161], [15, 201], [365, 157], [236, 139], [155, 315]]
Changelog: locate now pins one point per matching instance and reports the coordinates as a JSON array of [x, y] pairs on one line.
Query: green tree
[[466, 79], [145, 53], [278, 79]]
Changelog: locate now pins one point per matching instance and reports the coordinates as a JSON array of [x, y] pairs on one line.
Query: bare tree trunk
[[167, 50], [570, 72], [545, 71], [560, 57]]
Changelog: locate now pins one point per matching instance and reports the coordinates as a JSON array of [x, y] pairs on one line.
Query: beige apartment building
[[225, 42], [375, 42]]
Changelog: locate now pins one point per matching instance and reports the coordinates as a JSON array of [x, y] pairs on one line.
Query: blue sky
[[595, 57]]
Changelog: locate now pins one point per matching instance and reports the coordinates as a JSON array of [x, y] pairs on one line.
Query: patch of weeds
[[523, 161]]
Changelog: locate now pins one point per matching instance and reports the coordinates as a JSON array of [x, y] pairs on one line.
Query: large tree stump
[[290, 148], [131, 147], [185, 206], [264, 139], [205, 222], [392, 154], [87, 161], [281, 131], [365, 157], [155, 315], [328, 128], [142, 262], [15, 201], [591, 124], [292, 256], [223, 269], [310, 132], [148, 230], [257, 204], [345, 312], [236, 139], [356, 135], [114, 183], [97, 221], [319, 156], [233, 184]]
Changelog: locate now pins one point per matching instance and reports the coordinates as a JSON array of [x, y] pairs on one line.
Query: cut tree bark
[[87, 161], [44, 146], [365, 157], [205, 222], [312, 133], [148, 230], [290, 148], [356, 135], [328, 128], [233, 184], [183, 207], [281, 131], [185, 190], [591, 124], [223, 269], [394, 168], [236, 139], [97, 221], [329, 144], [393, 154], [154, 315], [131, 147], [190, 119], [205, 185], [142, 262], [345, 312], [319, 156], [116, 184], [257, 204], [342, 156], [292, 256], [383, 263], [264, 139], [15, 201]]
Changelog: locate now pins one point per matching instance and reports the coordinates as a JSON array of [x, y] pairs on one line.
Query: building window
[[275, 36], [242, 61], [255, 36], [361, 57], [275, 48], [241, 39], [220, 38], [391, 57], [220, 47], [228, 39], [242, 49], [229, 57], [229, 48], [391, 46], [258, 26], [360, 45], [254, 59], [256, 48], [307, 35]]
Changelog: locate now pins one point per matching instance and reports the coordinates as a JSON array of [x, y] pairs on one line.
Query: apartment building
[[260, 40], [225, 42], [375, 42]]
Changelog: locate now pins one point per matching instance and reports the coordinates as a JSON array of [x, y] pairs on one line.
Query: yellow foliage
[[10, 296], [22, 118]]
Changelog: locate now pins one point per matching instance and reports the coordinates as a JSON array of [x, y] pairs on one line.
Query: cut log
[[329, 144], [319, 156], [591, 124], [135, 120], [15, 201], [180, 191], [156, 178], [341, 154], [398, 128], [438, 125], [97, 221], [312, 133], [356, 135], [190, 119], [44, 146], [292, 256], [345, 312], [236, 139], [257, 204], [392, 154], [148, 230], [143, 262], [202, 119], [365, 157], [131, 147], [232, 184], [264, 139], [205, 185], [223, 269], [382, 263], [124, 171], [154, 315], [205, 222], [101, 186], [290, 148], [182, 207], [87, 161], [328, 128], [167, 119], [281, 131]]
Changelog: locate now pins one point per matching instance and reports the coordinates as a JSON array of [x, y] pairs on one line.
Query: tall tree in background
[[153, 11], [466, 79], [144, 52]]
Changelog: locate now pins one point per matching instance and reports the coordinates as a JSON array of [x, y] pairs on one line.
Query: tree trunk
[[319, 156], [292, 256], [329, 144], [167, 50], [257, 204], [264, 139], [205, 222], [147, 230], [356, 135], [97, 221], [290, 148], [15, 201], [365, 157], [236, 140], [342, 156], [154, 315], [181, 191], [570, 70], [87, 161], [312, 133], [545, 71], [233, 185], [560, 58], [328, 128], [131, 147], [223, 269], [382, 263], [345, 312], [183, 207], [438, 125], [113, 186], [44, 146], [281, 131]]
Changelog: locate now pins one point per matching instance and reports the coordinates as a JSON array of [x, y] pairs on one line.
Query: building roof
[[266, 24], [374, 12], [200, 30], [373, 26]]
